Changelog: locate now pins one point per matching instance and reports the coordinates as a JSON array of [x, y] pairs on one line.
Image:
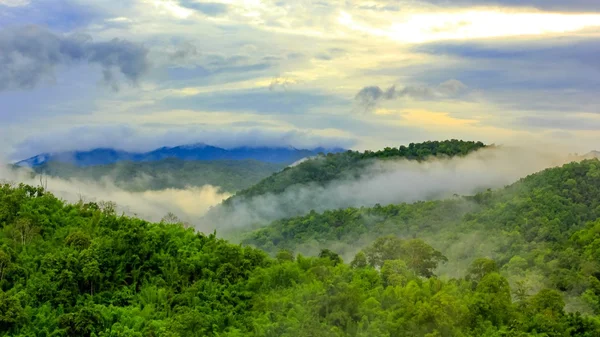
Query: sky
[[140, 74]]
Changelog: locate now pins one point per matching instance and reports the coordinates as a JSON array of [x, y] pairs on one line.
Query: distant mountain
[[106, 156]]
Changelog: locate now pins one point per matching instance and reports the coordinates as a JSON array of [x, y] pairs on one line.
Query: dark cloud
[[184, 53], [370, 96], [323, 57], [330, 54], [208, 8], [31, 54], [294, 56], [583, 51], [547, 5]]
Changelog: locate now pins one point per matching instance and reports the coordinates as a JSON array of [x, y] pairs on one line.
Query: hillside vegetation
[[542, 231], [82, 270], [230, 175], [334, 166]]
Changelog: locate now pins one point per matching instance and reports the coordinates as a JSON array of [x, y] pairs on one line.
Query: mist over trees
[[229, 175], [82, 270], [514, 261]]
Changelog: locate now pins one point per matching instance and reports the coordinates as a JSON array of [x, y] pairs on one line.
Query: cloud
[[257, 100], [370, 96], [208, 8], [14, 3], [188, 204], [390, 182], [548, 5], [145, 139], [583, 51], [32, 54], [552, 74], [184, 52], [580, 123], [58, 15], [330, 54], [279, 82]]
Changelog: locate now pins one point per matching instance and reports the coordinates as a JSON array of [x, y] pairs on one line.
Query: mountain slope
[[82, 270], [546, 206], [335, 166], [542, 230], [230, 175], [331, 181], [104, 156]]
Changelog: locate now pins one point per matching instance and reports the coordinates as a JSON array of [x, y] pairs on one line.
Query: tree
[[360, 260], [333, 257], [11, 311], [170, 219], [285, 255], [23, 231], [421, 257], [492, 299], [4, 263], [396, 272], [480, 268], [383, 249]]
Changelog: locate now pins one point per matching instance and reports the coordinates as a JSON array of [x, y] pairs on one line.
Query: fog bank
[[188, 204], [389, 182]]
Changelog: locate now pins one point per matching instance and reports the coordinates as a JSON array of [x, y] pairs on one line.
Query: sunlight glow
[[173, 8], [473, 24]]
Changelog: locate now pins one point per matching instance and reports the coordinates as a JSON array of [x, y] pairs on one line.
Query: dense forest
[[229, 175], [542, 231], [82, 270], [349, 164]]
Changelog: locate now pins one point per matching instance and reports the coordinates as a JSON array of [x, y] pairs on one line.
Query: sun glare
[[474, 24]]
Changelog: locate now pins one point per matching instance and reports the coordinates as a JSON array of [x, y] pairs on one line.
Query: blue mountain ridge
[[104, 156]]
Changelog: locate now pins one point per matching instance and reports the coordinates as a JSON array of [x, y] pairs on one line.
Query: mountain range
[[105, 156]]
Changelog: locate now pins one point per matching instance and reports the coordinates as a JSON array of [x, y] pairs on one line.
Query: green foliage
[[330, 167], [419, 256], [541, 232], [230, 175], [78, 270], [82, 270], [482, 267]]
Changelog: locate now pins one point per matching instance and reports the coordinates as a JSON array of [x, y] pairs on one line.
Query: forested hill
[[547, 206], [230, 175], [334, 166], [82, 270], [543, 231]]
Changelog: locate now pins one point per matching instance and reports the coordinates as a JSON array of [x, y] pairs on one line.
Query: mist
[[382, 182], [188, 204], [389, 182]]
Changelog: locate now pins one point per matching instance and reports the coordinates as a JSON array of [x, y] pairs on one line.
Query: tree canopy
[[334, 166], [82, 270]]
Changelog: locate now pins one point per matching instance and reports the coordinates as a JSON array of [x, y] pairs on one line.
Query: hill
[[333, 181], [542, 230], [82, 270], [335, 166], [104, 156], [230, 175]]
